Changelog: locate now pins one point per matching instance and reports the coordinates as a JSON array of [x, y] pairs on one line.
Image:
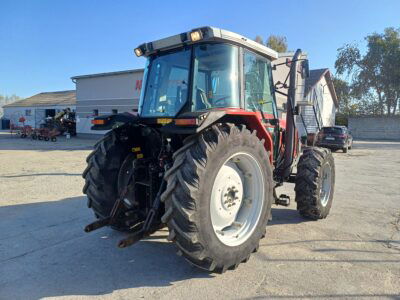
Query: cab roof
[[208, 34]]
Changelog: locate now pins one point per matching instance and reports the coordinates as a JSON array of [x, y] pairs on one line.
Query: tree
[[275, 42], [259, 39], [7, 100], [347, 105], [374, 76]]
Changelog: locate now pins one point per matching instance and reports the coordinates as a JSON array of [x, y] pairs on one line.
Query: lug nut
[[248, 201]]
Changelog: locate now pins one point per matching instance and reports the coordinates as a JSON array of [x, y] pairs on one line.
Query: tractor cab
[[206, 69]]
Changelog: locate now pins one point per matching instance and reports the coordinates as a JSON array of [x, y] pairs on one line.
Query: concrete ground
[[44, 252]]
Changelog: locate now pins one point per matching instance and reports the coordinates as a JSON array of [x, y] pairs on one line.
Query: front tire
[[195, 214], [315, 182]]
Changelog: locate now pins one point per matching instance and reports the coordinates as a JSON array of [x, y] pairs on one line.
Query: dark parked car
[[335, 138]]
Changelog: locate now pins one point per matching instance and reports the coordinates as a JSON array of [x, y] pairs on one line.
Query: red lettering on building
[[138, 84]]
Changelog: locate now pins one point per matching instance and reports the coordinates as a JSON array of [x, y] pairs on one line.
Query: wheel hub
[[228, 189], [230, 198]]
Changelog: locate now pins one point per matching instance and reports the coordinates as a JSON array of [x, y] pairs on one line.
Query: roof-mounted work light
[[138, 52], [196, 36]]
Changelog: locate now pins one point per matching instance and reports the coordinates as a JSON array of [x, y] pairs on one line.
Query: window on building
[[28, 112], [95, 112], [114, 111]]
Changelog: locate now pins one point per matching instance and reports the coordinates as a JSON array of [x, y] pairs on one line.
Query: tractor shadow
[[290, 215], [45, 253]]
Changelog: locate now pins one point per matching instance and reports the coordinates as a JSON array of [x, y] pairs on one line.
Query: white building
[[280, 74], [36, 108], [320, 94], [317, 91], [105, 93]]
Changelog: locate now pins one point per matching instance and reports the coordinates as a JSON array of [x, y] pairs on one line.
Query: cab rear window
[[332, 130]]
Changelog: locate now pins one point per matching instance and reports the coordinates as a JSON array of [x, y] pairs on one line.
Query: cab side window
[[258, 90]]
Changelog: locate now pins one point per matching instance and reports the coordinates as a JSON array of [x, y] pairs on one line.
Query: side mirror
[[305, 69]]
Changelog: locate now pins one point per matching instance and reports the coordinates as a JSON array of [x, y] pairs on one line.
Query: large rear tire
[[315, 182], [101, 175], [206, 183]]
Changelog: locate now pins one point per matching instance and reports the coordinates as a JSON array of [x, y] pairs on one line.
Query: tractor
[[206, 151]]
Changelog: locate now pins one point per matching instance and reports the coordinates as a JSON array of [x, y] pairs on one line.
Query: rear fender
[[252, 120]]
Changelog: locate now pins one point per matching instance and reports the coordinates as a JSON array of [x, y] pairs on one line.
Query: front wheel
[[315, 182], [218, 197]]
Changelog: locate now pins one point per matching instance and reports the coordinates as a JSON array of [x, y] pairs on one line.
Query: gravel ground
[[44, 252]]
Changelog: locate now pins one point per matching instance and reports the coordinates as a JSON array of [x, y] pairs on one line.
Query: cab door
[[259, 94]]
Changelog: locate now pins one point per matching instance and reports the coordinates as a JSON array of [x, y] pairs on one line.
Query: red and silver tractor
[[206, 151]]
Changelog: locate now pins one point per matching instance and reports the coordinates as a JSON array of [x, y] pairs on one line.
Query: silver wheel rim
[[237, 199], [326, 184]]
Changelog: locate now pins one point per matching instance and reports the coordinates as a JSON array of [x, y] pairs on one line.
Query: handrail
[[304, 123], [317, 111], [316, 117]]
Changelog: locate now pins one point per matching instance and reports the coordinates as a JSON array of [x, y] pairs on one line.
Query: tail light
[[98, 122], [342, 136], [186, 122]]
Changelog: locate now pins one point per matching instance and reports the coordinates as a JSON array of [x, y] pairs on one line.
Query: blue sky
[[43, 43]]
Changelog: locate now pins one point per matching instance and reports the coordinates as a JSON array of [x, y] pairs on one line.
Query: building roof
[[315, 76], [108, 74], [47, 99]]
